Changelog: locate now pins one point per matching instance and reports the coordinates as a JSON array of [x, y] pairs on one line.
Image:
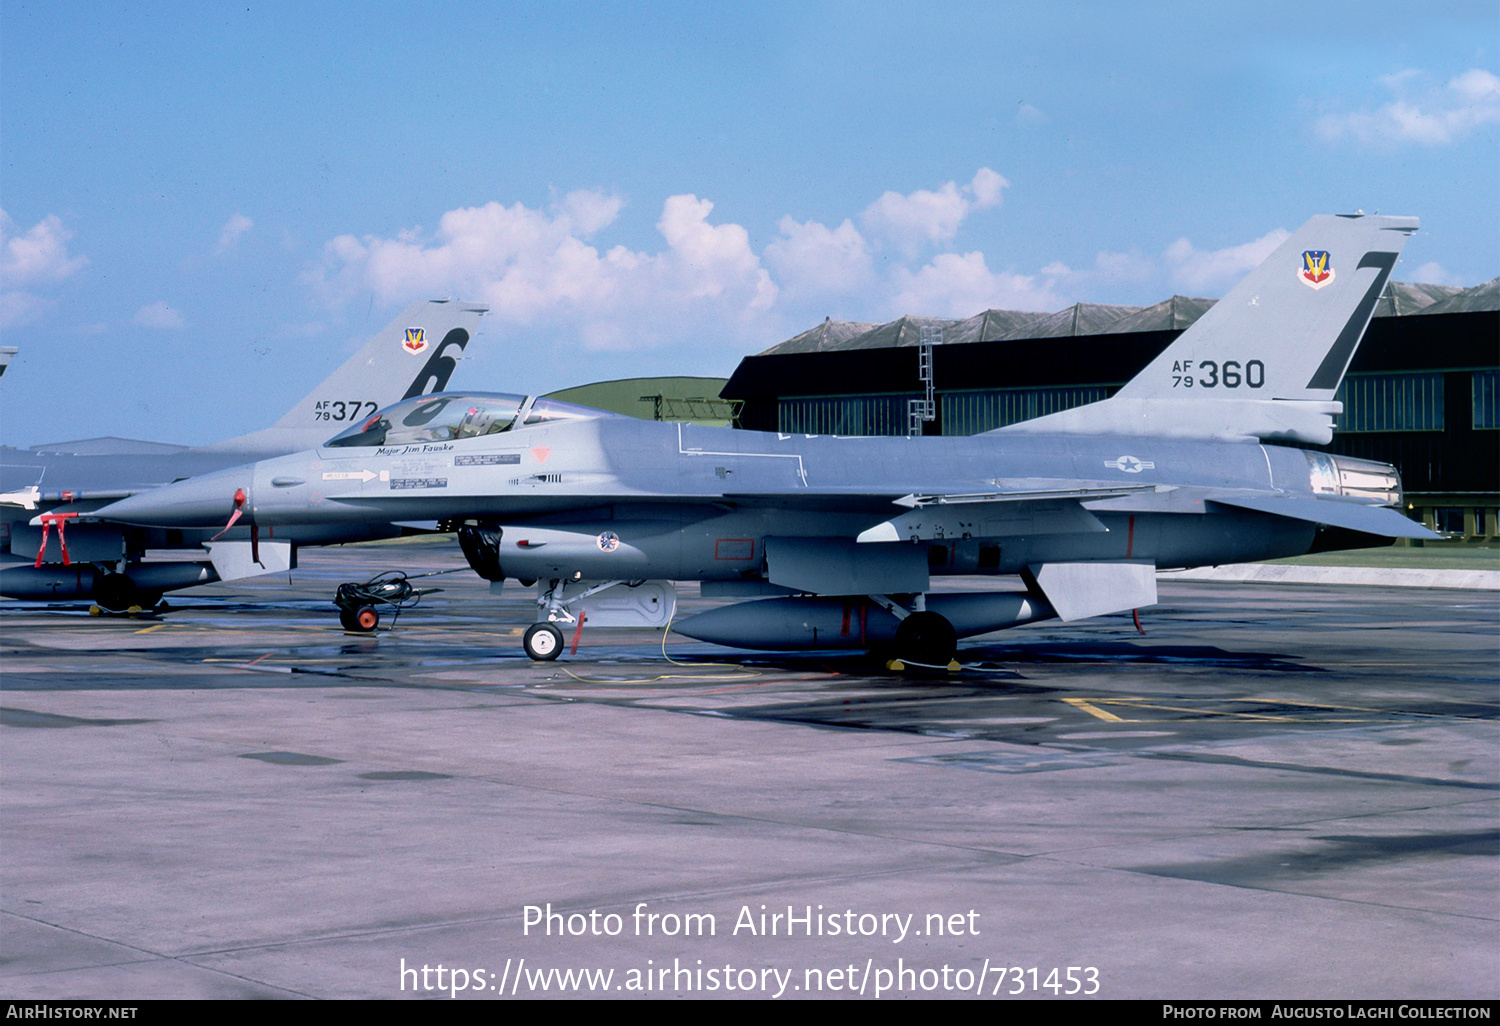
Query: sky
[[206, 207]]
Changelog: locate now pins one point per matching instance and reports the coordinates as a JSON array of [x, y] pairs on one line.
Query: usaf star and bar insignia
[[1130, 465]]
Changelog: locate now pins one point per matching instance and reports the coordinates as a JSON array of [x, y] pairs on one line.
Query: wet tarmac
[[1278, 791]]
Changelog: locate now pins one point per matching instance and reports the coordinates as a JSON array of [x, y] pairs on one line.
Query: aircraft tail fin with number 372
[[50, 551], [1265, 361], [425, 342]]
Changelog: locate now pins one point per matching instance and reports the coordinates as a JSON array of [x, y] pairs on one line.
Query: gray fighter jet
[[53, 549], [837, 540]]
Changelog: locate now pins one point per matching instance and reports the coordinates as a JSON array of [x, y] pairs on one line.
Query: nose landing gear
[[542, 642]]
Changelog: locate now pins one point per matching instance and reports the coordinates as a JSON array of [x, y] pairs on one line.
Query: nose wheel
[[542, 642]]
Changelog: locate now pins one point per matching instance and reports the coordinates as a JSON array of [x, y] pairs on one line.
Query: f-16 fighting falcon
[[837, 540], [58, 551]]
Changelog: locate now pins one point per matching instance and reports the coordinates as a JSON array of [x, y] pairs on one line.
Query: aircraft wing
[[109, 445], [1077, 493], [854, 500], [1000, 513]]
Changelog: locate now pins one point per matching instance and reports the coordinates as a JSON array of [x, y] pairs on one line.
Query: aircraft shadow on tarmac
[[983, 663]]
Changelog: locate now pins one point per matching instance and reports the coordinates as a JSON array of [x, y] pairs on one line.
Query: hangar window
[[969, 413], [1391, 402], [1449, 520], [843, 415], [1486, 400]]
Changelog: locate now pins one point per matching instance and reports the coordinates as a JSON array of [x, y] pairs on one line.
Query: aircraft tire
[[543, 642], [927, 638], [116, 592]]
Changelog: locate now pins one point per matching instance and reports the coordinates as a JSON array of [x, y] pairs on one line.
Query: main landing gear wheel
[[116, 592], [363, 620], [926, 638], [543, 642]]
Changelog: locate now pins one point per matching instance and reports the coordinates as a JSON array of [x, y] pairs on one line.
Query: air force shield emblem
[[1317, 269], [416, 340]]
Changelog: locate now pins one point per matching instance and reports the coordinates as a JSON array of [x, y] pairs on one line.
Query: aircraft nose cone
[[206, 501]]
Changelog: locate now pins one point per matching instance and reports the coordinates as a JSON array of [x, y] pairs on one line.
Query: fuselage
[[54, 481], [618, 498]]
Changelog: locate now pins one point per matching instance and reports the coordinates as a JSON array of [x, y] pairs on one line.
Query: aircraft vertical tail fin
[[1289, 329], [1266, 360], [413, 355]]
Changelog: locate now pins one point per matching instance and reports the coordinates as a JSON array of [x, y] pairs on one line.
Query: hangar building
[[1422, 393]]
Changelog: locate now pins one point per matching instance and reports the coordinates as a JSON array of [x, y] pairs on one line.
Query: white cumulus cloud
[[39, 254], [236, 226], [707, 259], [1434, 273], [531, 264], [928, 216], [1028, 115], [703, 286], [812, 258], [159, 315], [1110, 272], [36, 257], [17, 307], [1212, 272], [587, 212], [961, 286], [1419, 113]]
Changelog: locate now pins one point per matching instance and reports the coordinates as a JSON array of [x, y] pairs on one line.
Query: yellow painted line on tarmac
[[1094, 710], [1143, 704], [1212, 712], [153, 627], [1317, 705]]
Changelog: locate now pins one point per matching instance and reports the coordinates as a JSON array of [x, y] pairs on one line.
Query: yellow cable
[[740, 672]]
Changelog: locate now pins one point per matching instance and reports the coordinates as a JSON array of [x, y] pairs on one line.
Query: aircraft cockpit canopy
[[448, 417]]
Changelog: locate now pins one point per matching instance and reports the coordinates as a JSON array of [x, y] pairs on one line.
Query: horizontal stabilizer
[[1309, 421], [1081, 590], [108, 446], [1355, 516]]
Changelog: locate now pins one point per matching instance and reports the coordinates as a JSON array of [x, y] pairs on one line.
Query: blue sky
[[207, 206]]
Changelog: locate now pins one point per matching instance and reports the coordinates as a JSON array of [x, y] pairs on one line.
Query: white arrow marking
[[349, 475], [26, 498]]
